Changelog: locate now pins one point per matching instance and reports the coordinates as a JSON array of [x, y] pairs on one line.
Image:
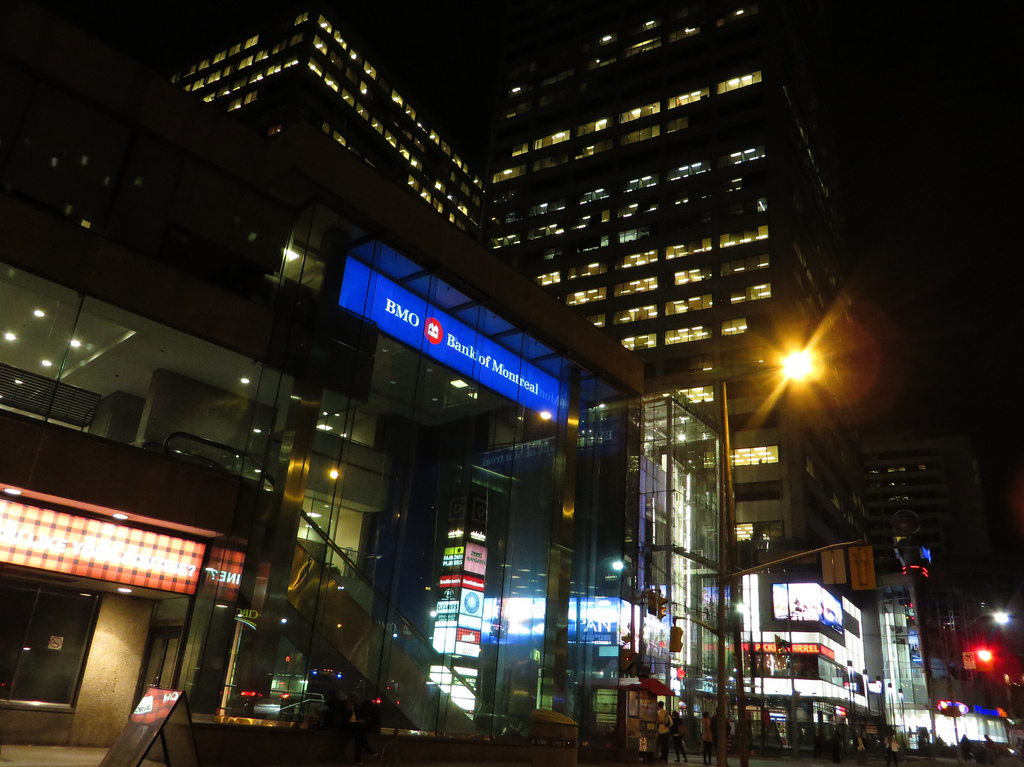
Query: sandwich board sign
[[161, 715]]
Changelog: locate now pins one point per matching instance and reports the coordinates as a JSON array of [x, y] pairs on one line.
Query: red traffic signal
[[984, 658]]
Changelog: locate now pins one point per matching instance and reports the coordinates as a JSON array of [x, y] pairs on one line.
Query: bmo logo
[[433, 331], [410, 318]]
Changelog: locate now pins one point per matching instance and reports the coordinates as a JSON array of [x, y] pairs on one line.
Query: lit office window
[[734, 327], [586, 296], [680, 123], [745, 264], [592, 126], [508, 173], [596, 319], [554, 138], [640, 111], [688, 98], [587, 271], [642, 47], [739, 13], [551, 278], [751, 293], [691, 304], [600, 146], [640, 183], [631, 235], [735, 83], [685, 335], [752, 456], [688, 170], [642, 285], [698, 394], [519, 149], [682, 34], [550, 161], [648, 341], [693, 275], [634, 314], [730, 239], [637, 259], [597, 194], [687, 248], [745, 155]]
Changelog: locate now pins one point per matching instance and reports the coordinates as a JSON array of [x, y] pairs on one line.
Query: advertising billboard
[[806, 602]]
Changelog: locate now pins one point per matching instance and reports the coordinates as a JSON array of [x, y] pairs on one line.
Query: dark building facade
[[275, 432]]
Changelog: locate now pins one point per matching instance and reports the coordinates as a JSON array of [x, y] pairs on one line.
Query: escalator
[[417, 687]]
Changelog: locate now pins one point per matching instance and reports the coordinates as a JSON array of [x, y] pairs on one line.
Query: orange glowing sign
[[92, 548]]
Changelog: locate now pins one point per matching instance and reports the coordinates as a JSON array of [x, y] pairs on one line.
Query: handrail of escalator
[[238, 456], [383, 597]]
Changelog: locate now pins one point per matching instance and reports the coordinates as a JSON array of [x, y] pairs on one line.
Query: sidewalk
[[66, 756]]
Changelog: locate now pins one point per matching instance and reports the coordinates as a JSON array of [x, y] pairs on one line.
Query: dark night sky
[[931, 155]]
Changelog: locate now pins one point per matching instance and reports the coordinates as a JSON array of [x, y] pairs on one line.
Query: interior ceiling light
[[12, 491], [39, 313], [458, 383], [119, 516], [10, 337], [75, 342]]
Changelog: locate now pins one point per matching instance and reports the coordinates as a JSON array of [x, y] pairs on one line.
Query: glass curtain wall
[[679, 541], [416, 545]]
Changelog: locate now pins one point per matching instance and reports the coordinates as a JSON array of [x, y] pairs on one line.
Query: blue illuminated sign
[[413, 321]]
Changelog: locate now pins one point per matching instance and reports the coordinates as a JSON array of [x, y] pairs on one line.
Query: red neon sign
[[91, 548], [801, 648]]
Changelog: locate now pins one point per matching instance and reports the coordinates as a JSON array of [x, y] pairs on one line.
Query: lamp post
[[794, 366]]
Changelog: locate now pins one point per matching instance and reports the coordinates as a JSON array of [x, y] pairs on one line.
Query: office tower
[[664, 168], [306, 67], [923, 499]]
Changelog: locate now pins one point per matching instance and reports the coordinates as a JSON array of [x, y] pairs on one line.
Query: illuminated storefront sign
[[91, 548], [801, 648], [413, 321]]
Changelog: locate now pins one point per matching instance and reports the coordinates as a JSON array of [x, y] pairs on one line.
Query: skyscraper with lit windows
[[664, 168], [304, 67]]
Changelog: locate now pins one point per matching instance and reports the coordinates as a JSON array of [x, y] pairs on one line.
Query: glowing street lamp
[[1001, 618], [797, 365]]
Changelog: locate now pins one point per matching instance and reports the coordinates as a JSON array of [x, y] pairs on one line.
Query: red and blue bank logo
[[433, 331]]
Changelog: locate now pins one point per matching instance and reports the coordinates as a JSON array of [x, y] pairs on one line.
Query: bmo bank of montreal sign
[[413, 321]]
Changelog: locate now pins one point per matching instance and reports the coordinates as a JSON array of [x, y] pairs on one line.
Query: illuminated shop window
[[636, 313], [734, 327], [691, 304], [685, 335], [693, 275], [744, 155], [753, 456], [745, 264], [596, 319], [586, 296], [688, 98], [682, 34], [642, 47], [729, 239], [735, 83], [600, 146], [688, 170], [687, 248], [508, 173], [637, 259], [587, 271], [551, 278], [698, 393], [648, 341], [554, 138], [640, 111], [642, 285], [641, 183], [751, 293], [592, 126]]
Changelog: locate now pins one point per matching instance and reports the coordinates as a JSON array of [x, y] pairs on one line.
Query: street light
[[1001, 618], [795, 366]]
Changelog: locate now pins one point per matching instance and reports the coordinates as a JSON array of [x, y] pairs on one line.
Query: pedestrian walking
[[678, 732], [837, 748], [664, 731], [892, 751], [707, 738], [862, 749], [819, 743]]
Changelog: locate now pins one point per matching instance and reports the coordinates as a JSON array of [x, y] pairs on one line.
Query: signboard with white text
[[92, 548], [414, 321]]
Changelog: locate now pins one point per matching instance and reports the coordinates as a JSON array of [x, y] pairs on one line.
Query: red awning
[[652, 685]]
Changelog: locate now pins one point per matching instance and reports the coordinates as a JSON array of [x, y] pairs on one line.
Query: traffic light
[[675, 639], [652, 602], [626, 659], [862, 568], [984, 658], [662, 606]]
